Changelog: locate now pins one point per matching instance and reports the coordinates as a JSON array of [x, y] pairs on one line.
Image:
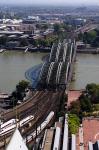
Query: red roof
[[91, 130], [73, 96]]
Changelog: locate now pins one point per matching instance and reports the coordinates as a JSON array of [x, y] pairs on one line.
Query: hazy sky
[[57, 2]]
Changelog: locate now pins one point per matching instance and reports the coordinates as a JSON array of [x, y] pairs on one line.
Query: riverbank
[[88, 51], [35, 49]]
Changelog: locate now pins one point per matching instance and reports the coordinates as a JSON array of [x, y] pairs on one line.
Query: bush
[[73, 122]]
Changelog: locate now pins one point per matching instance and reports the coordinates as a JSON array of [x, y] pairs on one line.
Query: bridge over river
[[55, 73]]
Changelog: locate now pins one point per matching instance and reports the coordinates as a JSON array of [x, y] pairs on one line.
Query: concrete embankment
[[36, 49]]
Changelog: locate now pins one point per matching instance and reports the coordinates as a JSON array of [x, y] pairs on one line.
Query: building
[[88, 135], [16, 142]]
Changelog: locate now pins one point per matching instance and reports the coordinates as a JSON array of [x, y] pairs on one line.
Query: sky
[[52, 2]]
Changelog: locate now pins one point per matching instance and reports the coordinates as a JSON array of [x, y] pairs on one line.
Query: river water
[[13, 66], [86, 70]]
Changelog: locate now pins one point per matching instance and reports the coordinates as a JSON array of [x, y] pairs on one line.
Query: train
[[40, 128], [26, 120], [10, 125]]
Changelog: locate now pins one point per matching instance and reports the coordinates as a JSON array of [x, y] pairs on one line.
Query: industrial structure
[[55, 72]]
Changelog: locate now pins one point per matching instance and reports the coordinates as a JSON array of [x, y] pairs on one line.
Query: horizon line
[[54, 5]]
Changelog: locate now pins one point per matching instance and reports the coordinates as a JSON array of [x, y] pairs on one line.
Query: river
[[13, 66], [86, 70]]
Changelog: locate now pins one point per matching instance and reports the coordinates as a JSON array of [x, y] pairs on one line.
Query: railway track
[[24, 107], [47, 101]]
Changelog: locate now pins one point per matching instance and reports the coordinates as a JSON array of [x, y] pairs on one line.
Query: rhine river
[[13, 66], [86, 70]]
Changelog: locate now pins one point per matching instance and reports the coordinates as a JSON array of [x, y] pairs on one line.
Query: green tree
[[24, 42], [22, 86], [88, 37], [75, 107], [57, 28], [3, 40], [95, 42], [13, 100], [85, 103], [91, 88], [73, 122]]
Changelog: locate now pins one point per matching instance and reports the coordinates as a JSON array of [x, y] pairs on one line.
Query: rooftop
[[73, 96], [17, 142], [48, 141], [90, 130]]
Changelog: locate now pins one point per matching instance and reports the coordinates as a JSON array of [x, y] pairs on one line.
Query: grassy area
[[95, 107]]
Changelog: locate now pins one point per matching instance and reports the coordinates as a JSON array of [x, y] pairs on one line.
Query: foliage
[[73, 122], [24, 42], [91, 37], [22, 86], [95, 42], [88, 102], [88, 37], [45, 42], [85, 103], [13, 101], [57, 28], [19, 93], [3, 40], [93, 92], [95, 107], [75, 107]]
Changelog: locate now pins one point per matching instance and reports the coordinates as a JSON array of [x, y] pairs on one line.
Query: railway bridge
[[55, 74]]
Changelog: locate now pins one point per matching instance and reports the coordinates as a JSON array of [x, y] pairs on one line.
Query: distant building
[[35, 18], [79, 21], [75, 21]]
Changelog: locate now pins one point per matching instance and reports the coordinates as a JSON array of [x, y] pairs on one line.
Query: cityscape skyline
[[52, 2]]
